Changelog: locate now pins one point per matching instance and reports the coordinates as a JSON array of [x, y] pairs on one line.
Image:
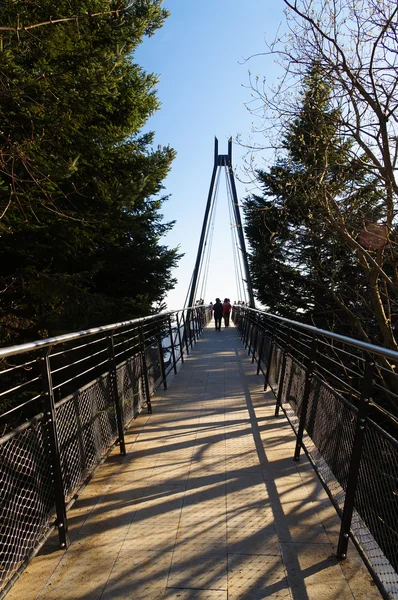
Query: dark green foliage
[[314, 199], [79, 185]]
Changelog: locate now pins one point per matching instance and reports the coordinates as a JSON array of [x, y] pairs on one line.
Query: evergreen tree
[[301, 265], [79, 184]]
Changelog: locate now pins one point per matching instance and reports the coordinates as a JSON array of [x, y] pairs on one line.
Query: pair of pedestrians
[[221, 310]]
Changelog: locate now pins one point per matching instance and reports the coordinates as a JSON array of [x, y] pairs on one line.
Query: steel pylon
[[222, 161]]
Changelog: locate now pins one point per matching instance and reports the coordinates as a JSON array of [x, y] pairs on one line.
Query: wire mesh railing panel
[[376, 503], [167, 352], [293, 384], [275, 367], [264, 357], [86, 428], [249, 333], [154, 368], [330, 424], [237, 319], [27, 496], [329, 434], [256, 344], [178, 333], [130, 388]]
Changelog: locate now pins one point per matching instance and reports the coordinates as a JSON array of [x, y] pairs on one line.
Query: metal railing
[[64, 403], [341, 398]]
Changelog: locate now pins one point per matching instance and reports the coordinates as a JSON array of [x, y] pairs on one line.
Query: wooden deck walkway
[[208, 503]]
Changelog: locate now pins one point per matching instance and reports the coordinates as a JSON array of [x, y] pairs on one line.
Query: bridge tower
[[222, 161]]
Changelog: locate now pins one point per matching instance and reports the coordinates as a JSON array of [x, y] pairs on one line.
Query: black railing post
[[269, 361], [191, 326], [260, 353], [245, 318], [173, 354], [201, 320], [189, 313], [249, 332], [306, 396], [161, 361], [240, 319], [145, 371], [115, 394], [249, 338], [249, 320], [245, 328], [185, 332], [242, 327], [55, 454], [179, 339], [362, 417], [196, 324], [282, 376], [255, 337], [198, 329]]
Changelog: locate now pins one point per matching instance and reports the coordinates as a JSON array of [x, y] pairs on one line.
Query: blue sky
[[200, 55]]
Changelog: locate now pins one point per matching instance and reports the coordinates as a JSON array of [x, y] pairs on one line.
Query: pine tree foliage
[[301, 264], [80, 186]]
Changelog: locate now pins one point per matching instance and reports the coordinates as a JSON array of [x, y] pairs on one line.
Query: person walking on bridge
[[226, 309], [217, 310]]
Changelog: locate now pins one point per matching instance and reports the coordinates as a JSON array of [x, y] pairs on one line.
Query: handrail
[[70, 337], [379, 350]]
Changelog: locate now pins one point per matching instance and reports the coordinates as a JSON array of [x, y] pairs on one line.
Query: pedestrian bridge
[[201, 498], [206, 503]]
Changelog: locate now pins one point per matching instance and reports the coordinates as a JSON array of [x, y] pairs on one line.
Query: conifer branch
[[51, 21]]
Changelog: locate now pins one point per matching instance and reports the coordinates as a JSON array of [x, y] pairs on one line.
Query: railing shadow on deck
[[64, 403], [337, 395], [136, 504]]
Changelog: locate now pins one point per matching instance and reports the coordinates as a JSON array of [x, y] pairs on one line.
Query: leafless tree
[[356, 41]]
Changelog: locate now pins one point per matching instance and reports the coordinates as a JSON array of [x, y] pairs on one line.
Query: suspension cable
[[233, 232], [241, 288], [189, 288], [207, 264], [204, 267], [205, 259]]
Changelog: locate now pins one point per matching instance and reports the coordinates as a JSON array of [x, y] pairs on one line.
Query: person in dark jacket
[[217, 310]]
